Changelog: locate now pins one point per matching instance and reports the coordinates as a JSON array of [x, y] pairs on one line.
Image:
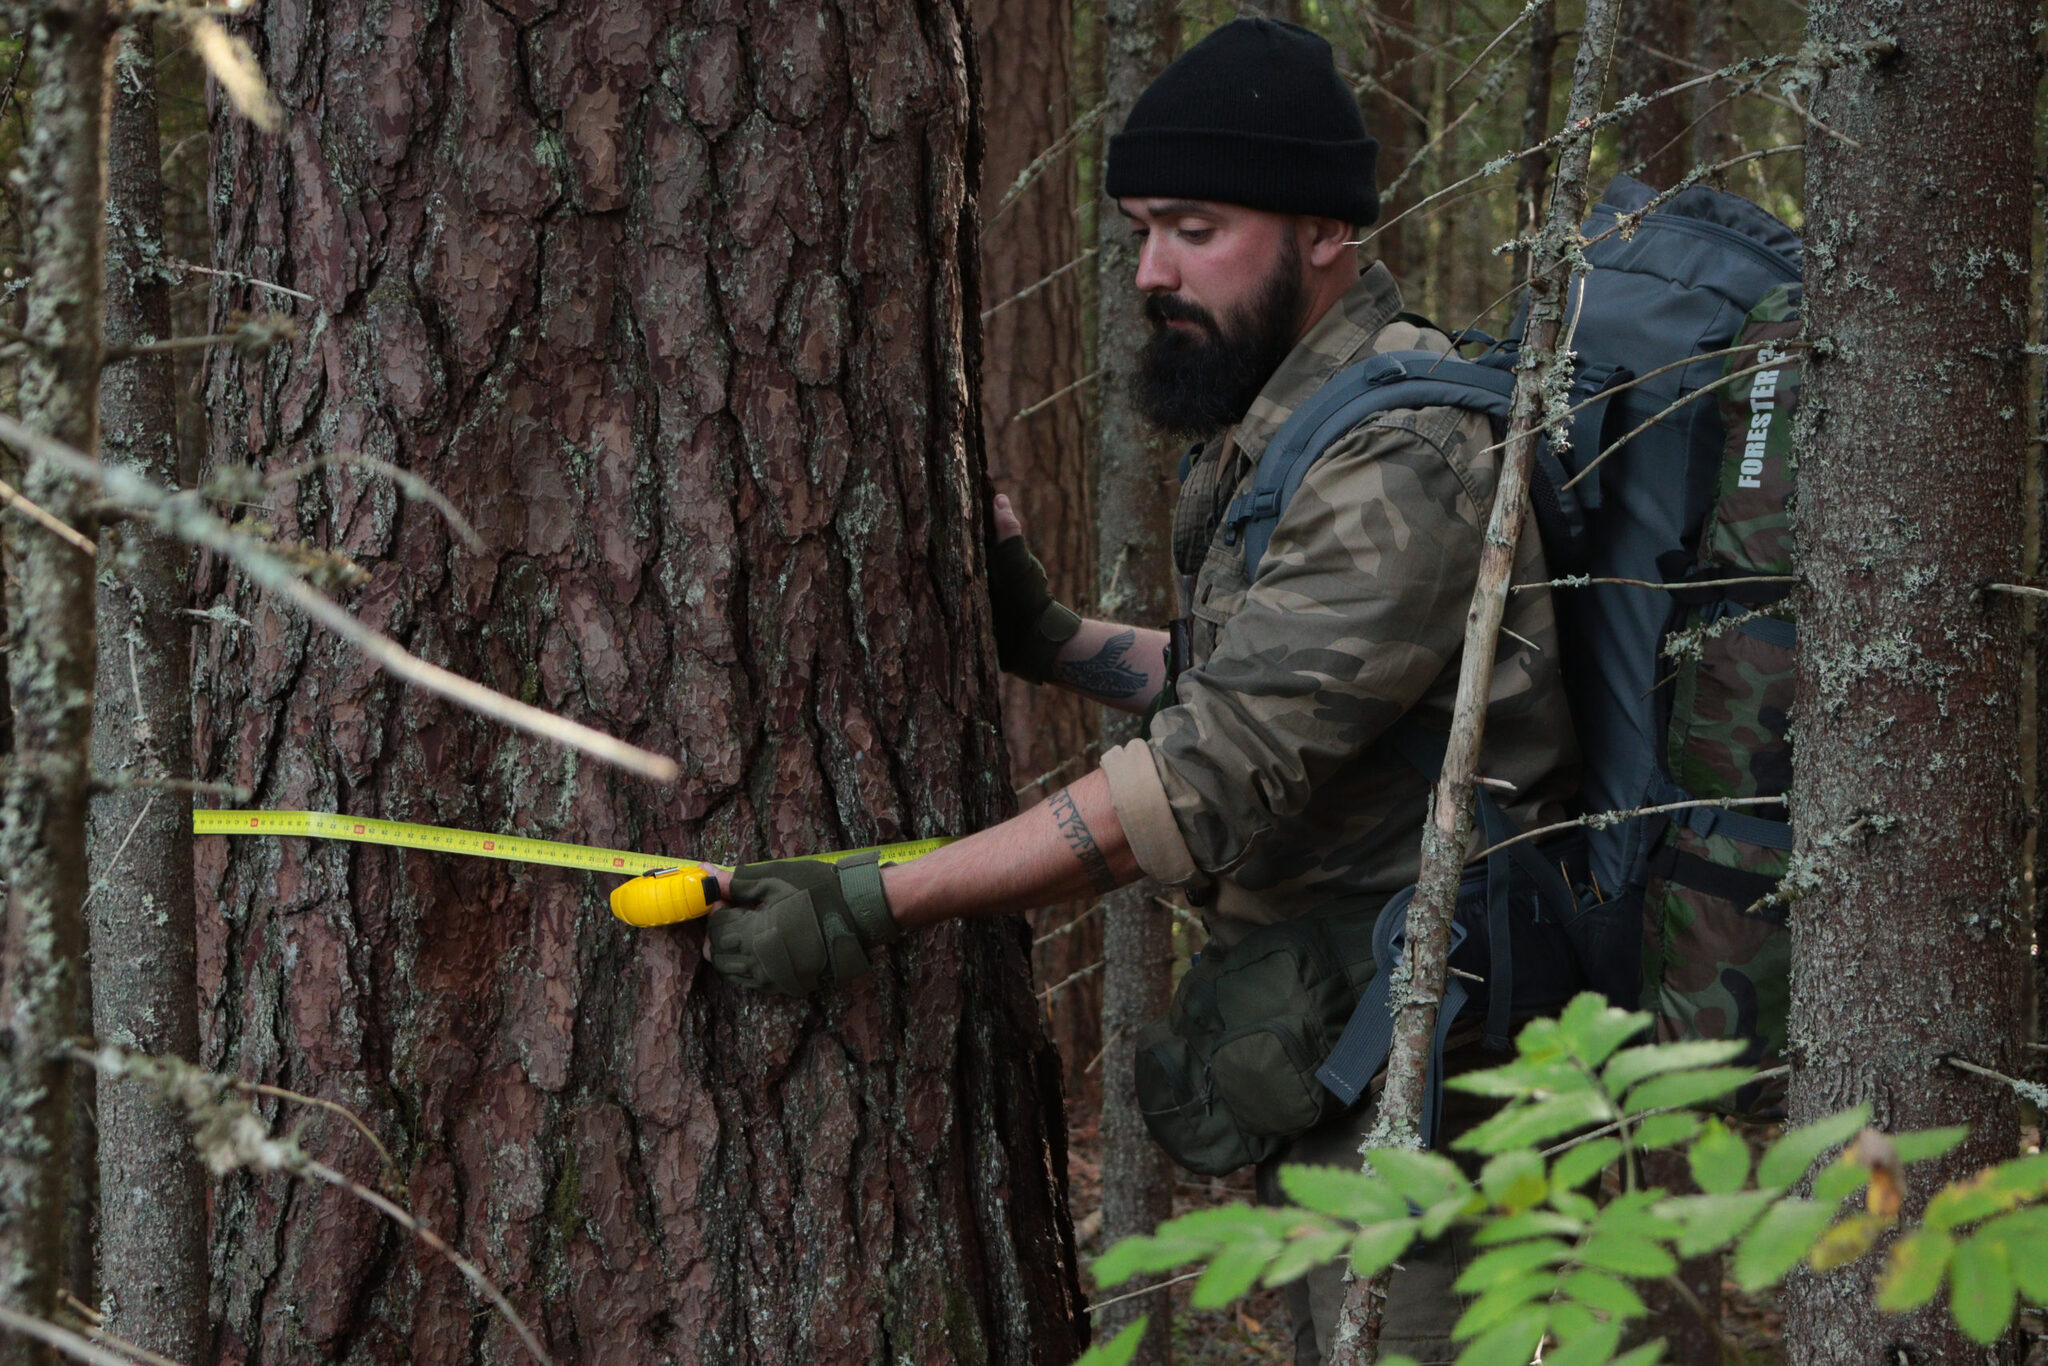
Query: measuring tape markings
[[644, 901]]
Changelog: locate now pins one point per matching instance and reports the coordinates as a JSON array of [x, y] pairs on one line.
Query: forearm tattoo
[[1081, 840], [1104, 673]]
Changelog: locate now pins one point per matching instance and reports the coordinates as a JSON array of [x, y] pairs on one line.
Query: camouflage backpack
[[1672, 915]]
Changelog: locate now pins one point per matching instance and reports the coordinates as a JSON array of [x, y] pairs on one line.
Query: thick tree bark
[[1713, 122], [1650, 37], [675, 304], [50, 666], [1910, 944], [1532, 175], [1134, 562], [1031, 349], [152, 1243]]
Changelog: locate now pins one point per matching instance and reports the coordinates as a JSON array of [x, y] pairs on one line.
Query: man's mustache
[[1161, 309]]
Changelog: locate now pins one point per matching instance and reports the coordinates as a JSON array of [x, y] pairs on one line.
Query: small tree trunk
[[1713, 139], [1532, 177], [152, 1266], [1134, 561], [1419, 981], [1910, 940], [42, 811], [1031, 349]]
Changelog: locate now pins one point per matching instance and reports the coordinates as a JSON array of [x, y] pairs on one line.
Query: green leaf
[[1713, 1221], [1136, 1256], [1379, 1245], [1778, 1241], [1846, 1241], [1787, 1159], [1576, 1166], [1913, 1271], [1445, 1212], [1626, 1254], [2024, 1236], [1592, 1346], [1573, 1204], [2024, 1178], [1676, 1089], [1514, 1339], [1608, 1294], [1653, 1060], [1523, 1077], [1489, 1269], [1635, 1214], [1424, 1178], [1527, 1126], [1992, 1191], [1665, 1131], [1343, 1192], [1928, 1144], [1980, 1289], [1305, 1254], [1501, 1303], [1514, 1180], [1839, 1180], [1719, 1159], [1231, 1273], [1231, 1223], [1535, 1223], [1592, 1029], [1119, 1349], [1649, 1354]]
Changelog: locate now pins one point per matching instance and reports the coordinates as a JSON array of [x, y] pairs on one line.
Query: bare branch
[[183, 517], [391, 1174], [1040, 162], [412, 483], [36, 513], [63, 1339], [1057, 987], [239, 278], [1667, 411], [1582, 581], [1056, 395], [1600, 820], [1040, 283]]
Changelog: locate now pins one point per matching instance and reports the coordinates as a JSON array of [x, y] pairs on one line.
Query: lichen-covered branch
[[1543, 376]]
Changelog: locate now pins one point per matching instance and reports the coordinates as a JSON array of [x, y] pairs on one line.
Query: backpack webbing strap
[[1368, 1037], [1706, 821], [1737, 886]]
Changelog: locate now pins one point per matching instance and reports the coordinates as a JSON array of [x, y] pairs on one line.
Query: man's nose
[[1155, 268]]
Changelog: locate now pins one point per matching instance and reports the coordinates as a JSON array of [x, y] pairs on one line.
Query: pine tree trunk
[[50, 668], [1911, 941], [1031, 350], [676, 308], [152, 1243], [1134, 563], [1653, 35]]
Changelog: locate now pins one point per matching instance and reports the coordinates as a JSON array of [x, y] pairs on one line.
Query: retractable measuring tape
[[663, 891]]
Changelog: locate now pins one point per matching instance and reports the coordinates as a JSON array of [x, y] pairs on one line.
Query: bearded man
[[1265, 785]]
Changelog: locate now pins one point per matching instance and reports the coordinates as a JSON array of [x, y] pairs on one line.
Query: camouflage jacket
[[1262, 787]]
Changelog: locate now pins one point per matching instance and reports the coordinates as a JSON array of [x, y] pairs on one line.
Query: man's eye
[[1197, 236]]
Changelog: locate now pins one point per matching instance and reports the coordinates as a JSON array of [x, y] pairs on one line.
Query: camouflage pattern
[[1357, 618], [1711, 968], [1751, 529], [1729, 717]]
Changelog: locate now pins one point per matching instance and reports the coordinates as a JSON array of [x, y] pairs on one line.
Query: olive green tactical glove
[[1030, 624], [800, 922]]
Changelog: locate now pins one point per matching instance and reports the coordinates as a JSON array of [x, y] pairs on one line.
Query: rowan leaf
[[1913, 1272], [1708, 1222], [1305, 1253], [1676, 1089], [1501, 1303], [1576, 1166], [1424, 1178], [1137, 1256], [1785, 1161], [1231, 1272], [1535, 1123], [1592, 1029], [1591, 1346], [1342, 1192], [1664, 1131], [1719, 1159], [1839, 1180], [1609, 1294], [1118, 1350], [1379, 1245], [1633, 1065], [2025, 1238], [1928, 1144], [1627, 1254], [1980, 1288], [1491, 1268], [1776, 1242], [1533, 1223], [1514, 1180], [1513, 1339], [1846, 1241]]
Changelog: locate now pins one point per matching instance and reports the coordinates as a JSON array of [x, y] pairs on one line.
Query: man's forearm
[[1119, 666], [1070, 845]]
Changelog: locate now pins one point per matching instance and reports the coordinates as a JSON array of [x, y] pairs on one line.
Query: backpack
[[1697, 496]]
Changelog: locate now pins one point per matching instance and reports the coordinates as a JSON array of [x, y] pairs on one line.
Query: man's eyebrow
[[1171, 208]]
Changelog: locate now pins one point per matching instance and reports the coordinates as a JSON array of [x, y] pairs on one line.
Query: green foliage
[[1556, 1265]]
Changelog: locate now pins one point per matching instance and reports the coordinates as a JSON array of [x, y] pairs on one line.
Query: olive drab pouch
[[1716, 952], [1230, 1074]]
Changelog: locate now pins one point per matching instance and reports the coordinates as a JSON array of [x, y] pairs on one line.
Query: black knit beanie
[[1254, 114]]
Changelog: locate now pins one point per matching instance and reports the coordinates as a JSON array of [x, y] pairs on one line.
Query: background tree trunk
[[676, 307], [1031, 350], [1651, 37], [152, 1227], [50, 669], [1134, 562], [1911, 943]]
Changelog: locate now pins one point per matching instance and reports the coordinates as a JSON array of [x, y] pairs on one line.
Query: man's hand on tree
[[793, 924], [1030, 623]]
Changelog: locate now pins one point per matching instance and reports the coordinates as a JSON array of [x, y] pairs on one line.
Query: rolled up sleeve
[[1359, 607]]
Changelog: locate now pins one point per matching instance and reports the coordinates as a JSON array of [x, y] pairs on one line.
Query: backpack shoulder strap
[[1378, 384]]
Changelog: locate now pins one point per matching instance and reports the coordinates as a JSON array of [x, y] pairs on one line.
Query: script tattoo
[[1081, 840], [1104, 673]]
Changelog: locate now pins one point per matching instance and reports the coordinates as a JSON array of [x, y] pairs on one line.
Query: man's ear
[[1328, 239]]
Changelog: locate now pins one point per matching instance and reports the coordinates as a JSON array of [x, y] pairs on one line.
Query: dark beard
[[1192, 384]]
